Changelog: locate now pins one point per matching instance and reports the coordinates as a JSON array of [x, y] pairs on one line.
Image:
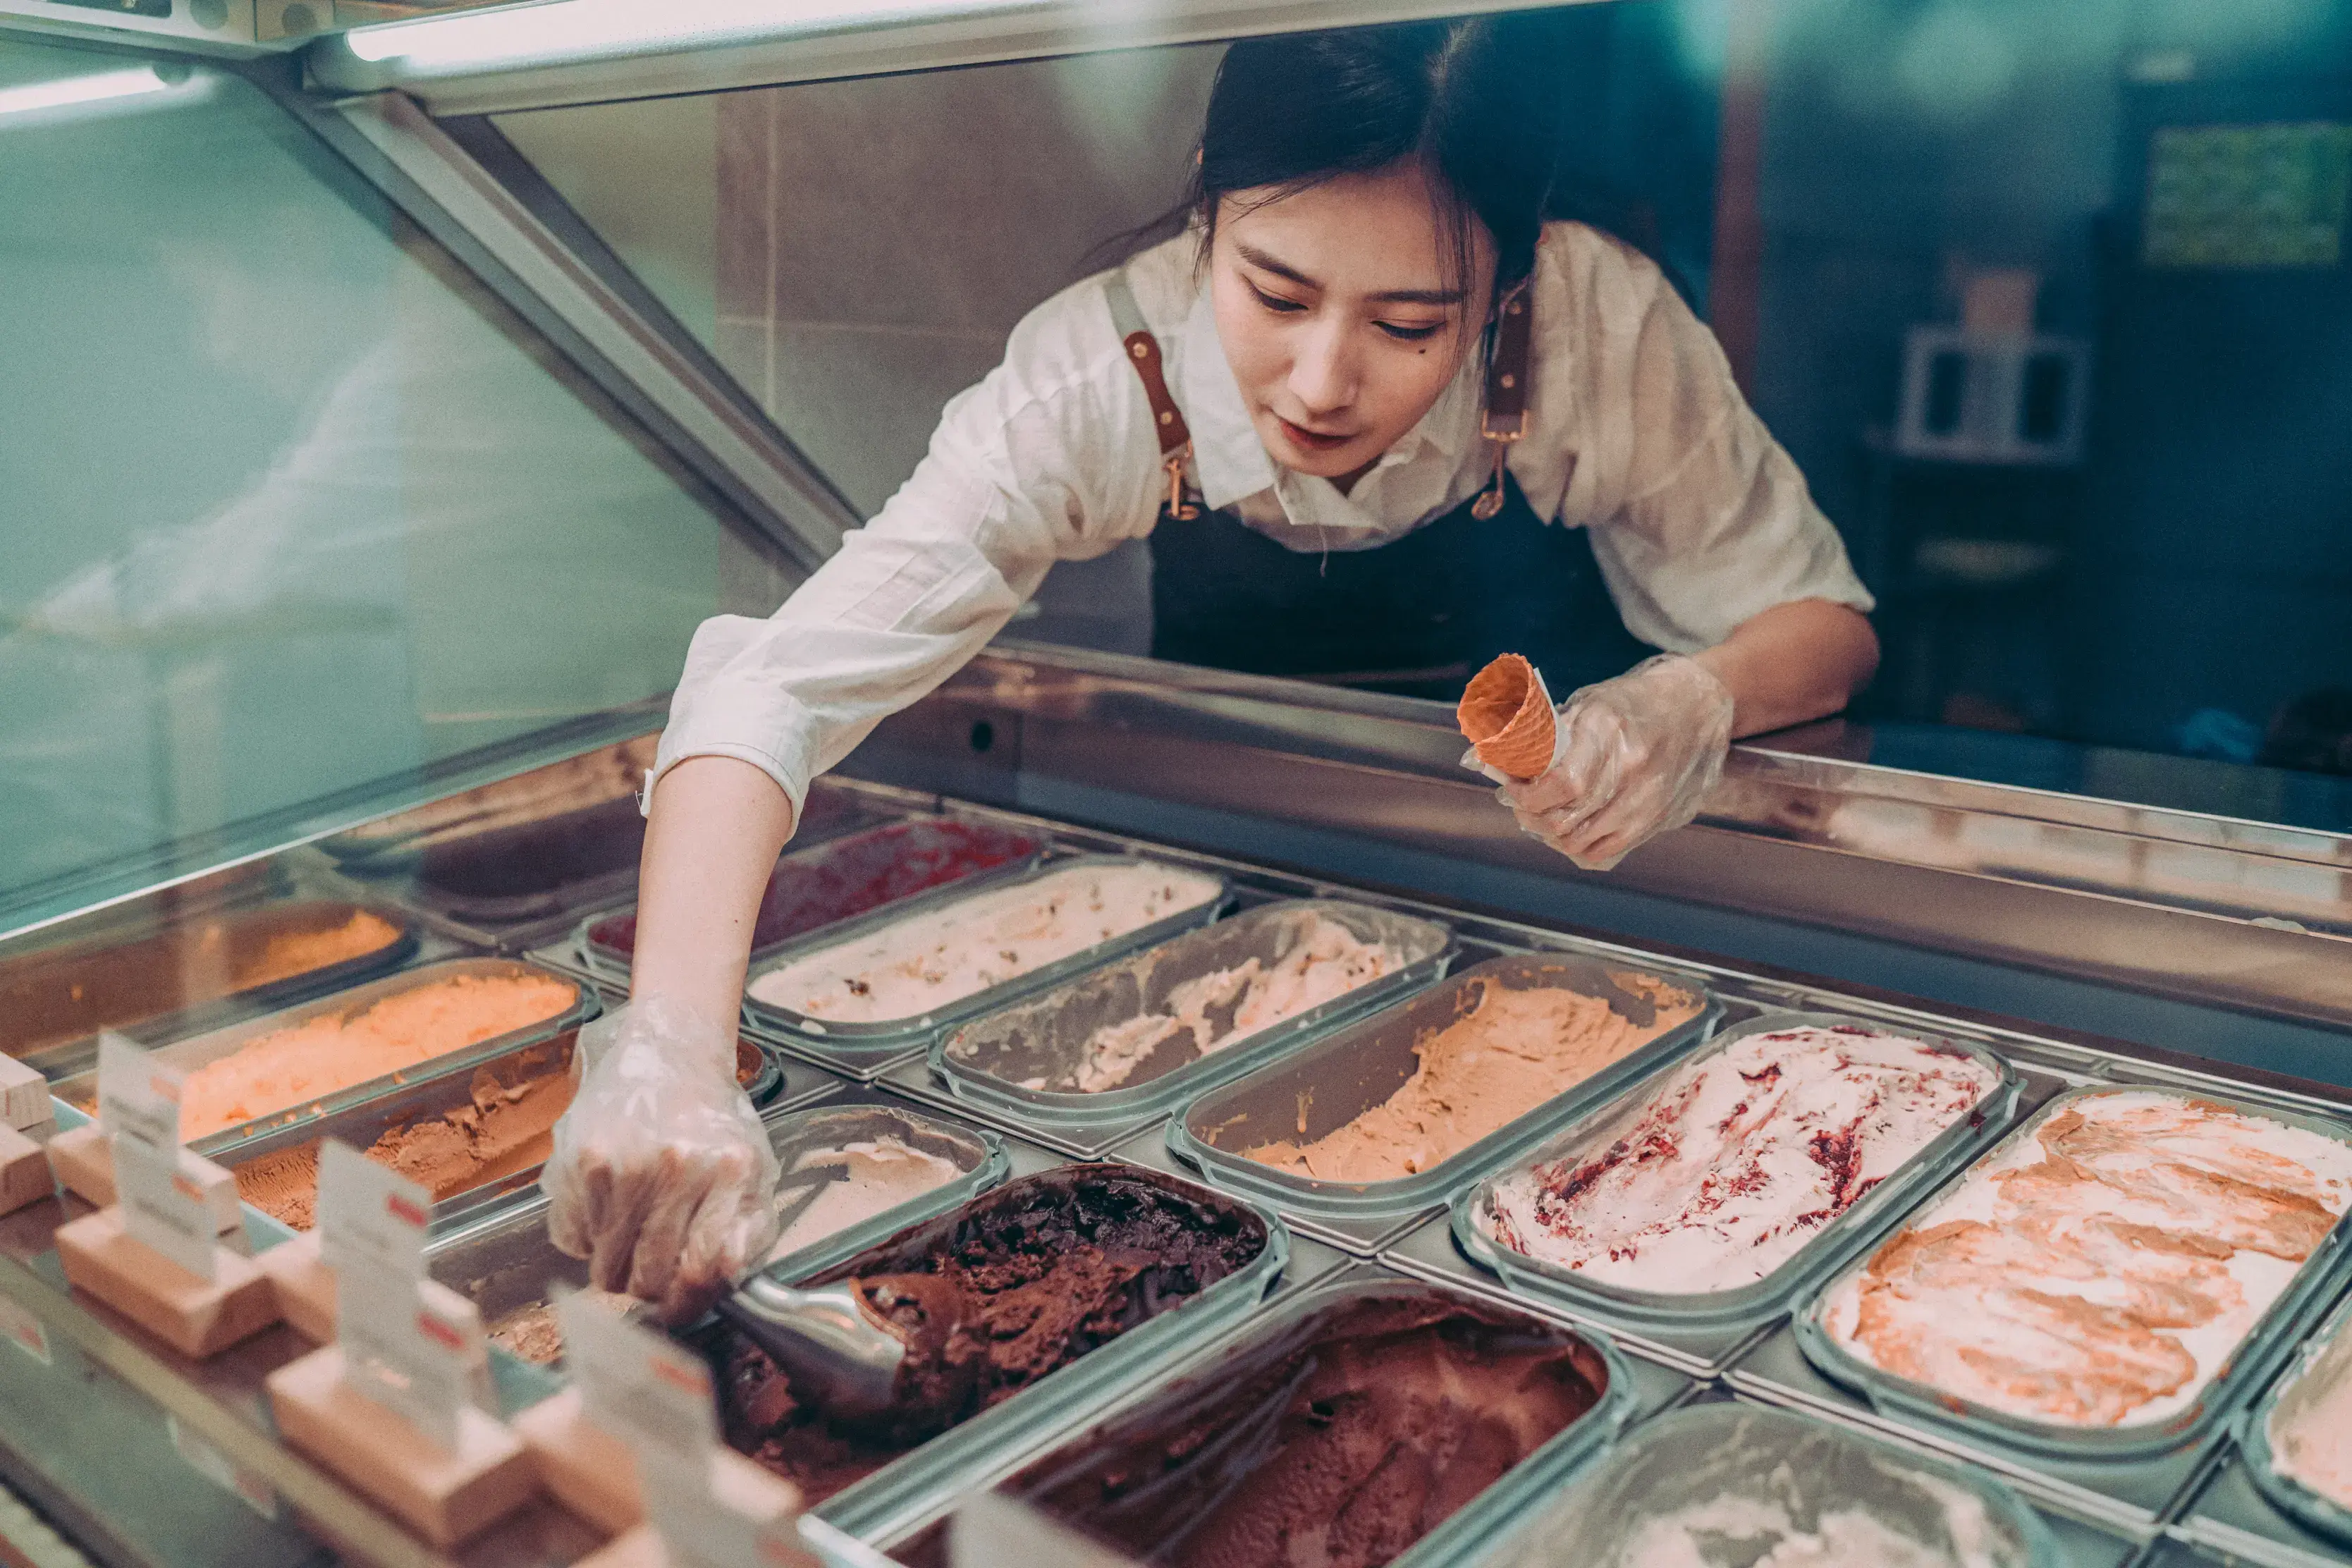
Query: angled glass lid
[[303, 522]]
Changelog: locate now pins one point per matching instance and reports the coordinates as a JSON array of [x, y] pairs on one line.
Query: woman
[[1369, 337]]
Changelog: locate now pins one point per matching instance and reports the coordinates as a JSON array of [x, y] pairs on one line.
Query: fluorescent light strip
[[570, 28], [68, 92]]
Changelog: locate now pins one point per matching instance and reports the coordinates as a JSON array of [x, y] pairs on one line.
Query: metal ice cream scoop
[[838, 1354], [844, 1356]]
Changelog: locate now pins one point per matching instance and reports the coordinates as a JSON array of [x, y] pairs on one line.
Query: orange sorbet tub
[[342, 1049]]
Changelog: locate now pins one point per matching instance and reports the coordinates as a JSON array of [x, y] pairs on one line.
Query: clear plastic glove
[[661, 1175], [1635, 756]]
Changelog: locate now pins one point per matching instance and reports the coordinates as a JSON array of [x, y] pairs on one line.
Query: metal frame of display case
[[2246, 924]]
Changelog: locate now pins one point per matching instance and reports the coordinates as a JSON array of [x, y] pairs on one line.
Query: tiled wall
[[879, 239]]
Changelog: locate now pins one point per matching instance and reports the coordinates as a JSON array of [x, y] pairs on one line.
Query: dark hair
[[1470, 101]]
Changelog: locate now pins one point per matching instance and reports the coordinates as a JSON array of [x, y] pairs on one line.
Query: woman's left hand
[[1635, 757]]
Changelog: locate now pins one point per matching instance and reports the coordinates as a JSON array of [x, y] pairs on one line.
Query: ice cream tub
[[308, 1063], [2109, 1282], [506, 1265], [1742, 1176], [475, 1140], [1734, 1482], [891, 981], [2297, 1440], [530, 871], [1354, 1412], [820, 884], [190, 974], [1078, 1280], [1503, 1051], [1140, 1034]]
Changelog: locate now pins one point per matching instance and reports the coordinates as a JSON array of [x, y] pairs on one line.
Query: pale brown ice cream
[[1506, 1053], [506, 1128]]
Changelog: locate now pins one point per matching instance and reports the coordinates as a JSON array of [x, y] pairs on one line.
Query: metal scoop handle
[[826, 1339]]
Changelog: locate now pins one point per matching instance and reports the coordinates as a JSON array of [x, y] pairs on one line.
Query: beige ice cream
[[2311, 1426], [1506, 1052], [1735, 1162], [506, 1127], [1212, 1010], [984, 939], [534, 1332], [2099, 1270], [876, 1175]]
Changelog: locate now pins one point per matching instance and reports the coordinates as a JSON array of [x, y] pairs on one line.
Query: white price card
[[637, 1384], [371, 1220], [703, 1527], [163, 1208], [413, 1349], [138, 1095], [989, 1530]]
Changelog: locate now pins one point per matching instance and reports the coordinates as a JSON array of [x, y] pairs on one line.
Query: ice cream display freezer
[[1891, 1101]]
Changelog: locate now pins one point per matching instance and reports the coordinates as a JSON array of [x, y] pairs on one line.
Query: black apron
[[1416, 617]]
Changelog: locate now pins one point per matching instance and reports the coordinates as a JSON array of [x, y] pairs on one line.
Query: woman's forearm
[[717, 827], [1793, 662]]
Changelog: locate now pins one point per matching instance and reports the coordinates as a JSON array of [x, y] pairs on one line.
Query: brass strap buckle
[[1177, 507]]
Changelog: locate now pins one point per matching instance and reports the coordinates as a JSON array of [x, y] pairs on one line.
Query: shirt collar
[[1228, 457], [1226, 453]]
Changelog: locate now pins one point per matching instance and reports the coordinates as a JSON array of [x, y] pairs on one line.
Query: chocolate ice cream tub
[[199, 1051], [1028, 1062], [2314, 1391], [1289, 1433], [1087, 1275], [193, 974], [1975, 1099], [2224, 1221], [476, 1140], [504, 1262], [1740, 1483], [1363, 1068], [817, 885], [861, 1046]]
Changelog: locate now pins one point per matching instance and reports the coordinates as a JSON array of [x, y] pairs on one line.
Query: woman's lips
[[1310, 440]]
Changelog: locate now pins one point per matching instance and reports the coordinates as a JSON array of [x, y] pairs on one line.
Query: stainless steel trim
[[786, 52], [793, 506], [2171, 903]]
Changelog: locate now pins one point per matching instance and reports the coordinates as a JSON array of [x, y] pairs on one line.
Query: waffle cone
[[1505, 714]]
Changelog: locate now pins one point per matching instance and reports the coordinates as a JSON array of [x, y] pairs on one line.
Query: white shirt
[[1635, 430]]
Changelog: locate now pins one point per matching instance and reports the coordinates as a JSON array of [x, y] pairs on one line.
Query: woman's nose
[[1322, 372]]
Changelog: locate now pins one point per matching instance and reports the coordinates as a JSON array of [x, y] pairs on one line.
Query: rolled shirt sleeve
[[1699, 520], [1050, 457]]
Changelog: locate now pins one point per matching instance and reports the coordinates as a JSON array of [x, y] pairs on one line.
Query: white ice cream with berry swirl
[[1735, 1161]]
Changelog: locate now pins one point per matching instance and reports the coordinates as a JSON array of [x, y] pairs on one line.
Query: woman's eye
[[1276, 302], [1412, 334]]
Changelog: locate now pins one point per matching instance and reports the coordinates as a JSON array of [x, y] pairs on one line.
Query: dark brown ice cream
[[1050, 1267], [1336, 1442]]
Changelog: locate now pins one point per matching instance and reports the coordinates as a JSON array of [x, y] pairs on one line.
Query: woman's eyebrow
[[1280, 268]]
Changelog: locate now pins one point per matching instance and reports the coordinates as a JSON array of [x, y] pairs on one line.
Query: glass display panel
[[2050, 306], [294, 510]]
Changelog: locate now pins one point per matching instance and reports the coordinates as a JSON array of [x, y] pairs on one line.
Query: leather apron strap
[[1167, 420]]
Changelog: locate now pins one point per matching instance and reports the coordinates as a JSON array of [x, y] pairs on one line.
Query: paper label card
[[138, 1095], [371, 1219], [639, 1386], [412, 1351], [700, 1529], [989, 1530], [164, 1207]]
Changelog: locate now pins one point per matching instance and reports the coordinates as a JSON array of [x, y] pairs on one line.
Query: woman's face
[[1338, 315]]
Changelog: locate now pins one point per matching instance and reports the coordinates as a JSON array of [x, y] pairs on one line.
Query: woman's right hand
[[661, 1175]]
